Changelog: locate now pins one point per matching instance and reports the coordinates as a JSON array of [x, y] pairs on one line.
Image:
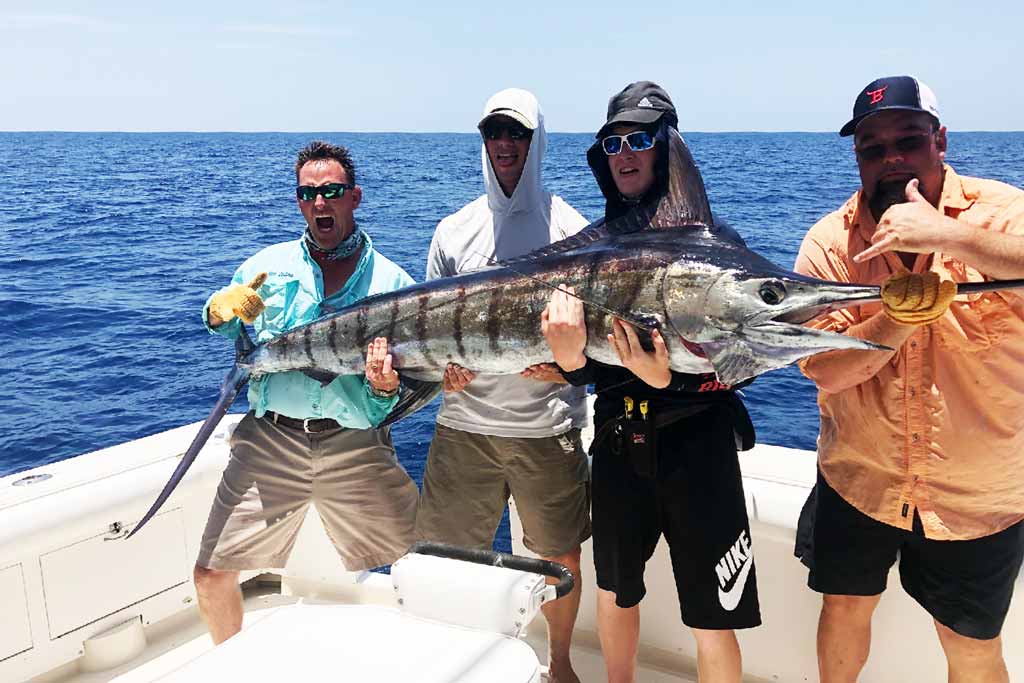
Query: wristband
[[380, 393]]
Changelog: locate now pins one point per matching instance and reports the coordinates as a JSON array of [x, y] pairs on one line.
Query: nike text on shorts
[[696, 500]]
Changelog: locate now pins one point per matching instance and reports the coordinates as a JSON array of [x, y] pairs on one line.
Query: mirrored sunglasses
[[308, 193], [495, 130], [904, 145], [638, 141]]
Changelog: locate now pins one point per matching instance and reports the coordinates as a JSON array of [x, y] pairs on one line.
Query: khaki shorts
[[366, 500], [469, 478]]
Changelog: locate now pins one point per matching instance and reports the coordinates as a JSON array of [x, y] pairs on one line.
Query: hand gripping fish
[[665, 265]]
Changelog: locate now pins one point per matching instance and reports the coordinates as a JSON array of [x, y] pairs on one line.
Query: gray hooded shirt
[[498, 227]]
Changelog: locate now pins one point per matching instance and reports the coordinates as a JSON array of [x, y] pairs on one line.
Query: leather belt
[[311, 425]]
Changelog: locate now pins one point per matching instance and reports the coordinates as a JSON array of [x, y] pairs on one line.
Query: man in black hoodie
[[665, 457]]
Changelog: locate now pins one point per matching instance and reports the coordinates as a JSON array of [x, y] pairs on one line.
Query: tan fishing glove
[[238, 300], [917, 298]]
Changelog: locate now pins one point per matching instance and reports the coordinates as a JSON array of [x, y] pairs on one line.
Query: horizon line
[[433, 132]]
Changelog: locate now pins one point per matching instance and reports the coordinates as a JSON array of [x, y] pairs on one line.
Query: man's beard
[[887, 194]]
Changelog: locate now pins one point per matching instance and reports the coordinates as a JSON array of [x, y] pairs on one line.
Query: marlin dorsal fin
[[686, 202], [684, 205]]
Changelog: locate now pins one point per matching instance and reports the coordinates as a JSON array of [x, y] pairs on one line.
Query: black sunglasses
[[308, 193], [494, 130], [904, 145], [638, 141]]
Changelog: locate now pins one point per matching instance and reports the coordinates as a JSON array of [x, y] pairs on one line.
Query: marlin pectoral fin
[[229, 389], [751, 351], [734, 360]]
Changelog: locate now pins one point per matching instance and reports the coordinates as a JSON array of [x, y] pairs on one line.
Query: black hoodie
[[614, 383]]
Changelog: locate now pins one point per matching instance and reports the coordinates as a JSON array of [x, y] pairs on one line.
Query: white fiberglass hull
[[74, 601]]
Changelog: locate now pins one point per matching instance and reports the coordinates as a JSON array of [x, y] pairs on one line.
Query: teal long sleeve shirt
[[294, 295]]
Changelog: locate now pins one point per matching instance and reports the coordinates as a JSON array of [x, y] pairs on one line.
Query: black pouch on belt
[[640, 441]]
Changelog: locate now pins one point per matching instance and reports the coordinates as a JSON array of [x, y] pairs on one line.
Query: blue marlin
[[665, 265]]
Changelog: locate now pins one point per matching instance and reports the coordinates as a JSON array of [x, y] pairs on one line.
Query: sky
[[260, 65]]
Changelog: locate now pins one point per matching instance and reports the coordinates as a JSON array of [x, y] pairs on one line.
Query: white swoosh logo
[[730, 599]]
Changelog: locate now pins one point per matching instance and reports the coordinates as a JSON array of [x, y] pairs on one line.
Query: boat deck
[[181, 641], [71, 586]]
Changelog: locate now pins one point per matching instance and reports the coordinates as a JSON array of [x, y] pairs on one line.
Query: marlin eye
[[773, 292]]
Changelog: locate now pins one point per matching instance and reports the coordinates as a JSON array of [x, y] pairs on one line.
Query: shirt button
[[916, 437], [913, 344], [913, 392]]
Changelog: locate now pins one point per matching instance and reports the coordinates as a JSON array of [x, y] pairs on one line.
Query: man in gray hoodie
[[502, 435]]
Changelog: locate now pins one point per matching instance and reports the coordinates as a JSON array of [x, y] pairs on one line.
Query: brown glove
[[917, 298], [238, 300]]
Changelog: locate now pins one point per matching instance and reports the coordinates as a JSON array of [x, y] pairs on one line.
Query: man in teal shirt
[[304, 441]]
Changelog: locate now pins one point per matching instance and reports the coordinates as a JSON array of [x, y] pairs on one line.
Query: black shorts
[[964, 585], [697, 501]]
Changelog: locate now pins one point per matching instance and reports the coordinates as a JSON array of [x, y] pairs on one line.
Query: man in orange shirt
[[921, 450]]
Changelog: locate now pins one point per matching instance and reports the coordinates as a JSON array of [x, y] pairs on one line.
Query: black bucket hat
[[641, 102]]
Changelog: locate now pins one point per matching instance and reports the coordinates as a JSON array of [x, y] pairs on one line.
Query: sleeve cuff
[[229, 329], [382, 401], [578, 377]]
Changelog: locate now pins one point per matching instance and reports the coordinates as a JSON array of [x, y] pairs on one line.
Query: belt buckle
[[305, 426]]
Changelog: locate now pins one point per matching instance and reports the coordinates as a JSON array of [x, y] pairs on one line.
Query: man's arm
[[241, 301], [545, 372], [565, 330], [456, 378], [909, 300], [436, 265], [837, 371], [918, 227]]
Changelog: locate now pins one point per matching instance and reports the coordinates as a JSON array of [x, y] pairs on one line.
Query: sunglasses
[[308, 193], [638, 141], [902, 146], [496, 130]]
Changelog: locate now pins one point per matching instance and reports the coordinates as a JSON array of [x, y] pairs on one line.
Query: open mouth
[[628, 170], [507, 159], [800, 316], [324, 223]]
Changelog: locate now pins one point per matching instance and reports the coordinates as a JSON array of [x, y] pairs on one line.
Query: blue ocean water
[[111, 242]]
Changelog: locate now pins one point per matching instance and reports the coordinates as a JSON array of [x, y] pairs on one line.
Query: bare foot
[[562, 673]]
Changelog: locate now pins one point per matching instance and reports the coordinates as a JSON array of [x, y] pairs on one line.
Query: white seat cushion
[[361, 643]]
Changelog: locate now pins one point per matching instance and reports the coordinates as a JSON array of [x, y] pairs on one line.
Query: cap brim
[[851, 126], [511, 114], [644, 115]]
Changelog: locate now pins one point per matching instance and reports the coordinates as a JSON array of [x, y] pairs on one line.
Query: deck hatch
[[15, 627], [93, 578]]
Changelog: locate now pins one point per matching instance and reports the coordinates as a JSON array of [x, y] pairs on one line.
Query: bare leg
[[619, 630], [844, 636], [971, 660], [561, 616], [220, 602], [718, 656]]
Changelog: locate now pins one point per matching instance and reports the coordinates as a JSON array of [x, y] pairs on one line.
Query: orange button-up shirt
[[940, 428]]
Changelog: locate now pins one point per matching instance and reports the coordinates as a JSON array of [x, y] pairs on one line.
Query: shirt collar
[[364, 260]]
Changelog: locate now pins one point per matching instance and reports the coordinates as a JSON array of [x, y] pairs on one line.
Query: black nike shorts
[[696, 500], [964, 585]]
